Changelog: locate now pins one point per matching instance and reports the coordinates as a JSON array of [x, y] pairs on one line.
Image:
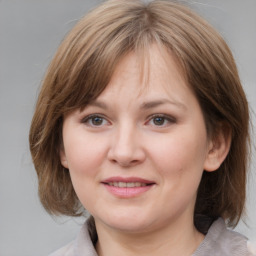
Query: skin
[[147, 128]]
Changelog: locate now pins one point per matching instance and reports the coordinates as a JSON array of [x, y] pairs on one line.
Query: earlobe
[[63, 158], [218, 149]]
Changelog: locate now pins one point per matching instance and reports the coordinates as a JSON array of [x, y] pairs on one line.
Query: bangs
[[88, 57]]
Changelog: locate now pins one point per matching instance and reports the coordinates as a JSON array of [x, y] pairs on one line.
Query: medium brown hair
[[84, 64]]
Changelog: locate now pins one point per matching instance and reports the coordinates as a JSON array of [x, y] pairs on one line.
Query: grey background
[[30, 32]]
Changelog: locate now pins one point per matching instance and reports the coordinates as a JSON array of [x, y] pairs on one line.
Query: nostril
[[124, 162], [126, 152]]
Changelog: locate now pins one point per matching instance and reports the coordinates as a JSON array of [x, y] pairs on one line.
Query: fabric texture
[[219, 241]]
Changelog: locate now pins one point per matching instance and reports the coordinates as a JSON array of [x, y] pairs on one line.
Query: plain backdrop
[[30, 32]]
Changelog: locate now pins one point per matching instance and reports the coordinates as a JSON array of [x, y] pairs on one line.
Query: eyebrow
[[145, 105], [156, 103], [98, 104]]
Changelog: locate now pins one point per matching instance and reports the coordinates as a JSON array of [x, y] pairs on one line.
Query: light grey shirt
[[219, 241]]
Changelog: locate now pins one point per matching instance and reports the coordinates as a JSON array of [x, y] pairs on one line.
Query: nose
[[127, 147]]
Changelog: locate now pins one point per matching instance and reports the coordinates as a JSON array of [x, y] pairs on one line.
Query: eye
[[95, 120], [161, 120]]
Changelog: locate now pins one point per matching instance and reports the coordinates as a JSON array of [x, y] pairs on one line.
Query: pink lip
[[128, 179], [127, 192]]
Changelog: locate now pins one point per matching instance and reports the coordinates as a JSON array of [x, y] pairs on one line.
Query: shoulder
[[67, 250], [221, 241], [82, 245]]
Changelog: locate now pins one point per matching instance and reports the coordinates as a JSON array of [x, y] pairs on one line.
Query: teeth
[[121, 184], [130, 185], [127, 184]]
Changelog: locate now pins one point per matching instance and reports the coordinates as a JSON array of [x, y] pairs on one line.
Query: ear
[[63, 158], [218, 148]]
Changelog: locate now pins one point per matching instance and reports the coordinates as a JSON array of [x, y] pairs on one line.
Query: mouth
[[127, 182], [127, 187], [121, 184]]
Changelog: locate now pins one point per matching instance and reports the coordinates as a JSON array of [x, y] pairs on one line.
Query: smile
[[127, 184], [127, 187]]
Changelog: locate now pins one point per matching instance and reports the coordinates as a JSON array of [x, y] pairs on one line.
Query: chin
[[130, 227], [130, 224]]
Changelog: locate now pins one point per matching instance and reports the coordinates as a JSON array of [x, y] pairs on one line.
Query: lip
[[127, 192], [127, 179]]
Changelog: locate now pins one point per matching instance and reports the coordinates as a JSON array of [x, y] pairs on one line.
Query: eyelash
[[165, 118], [89, 119]]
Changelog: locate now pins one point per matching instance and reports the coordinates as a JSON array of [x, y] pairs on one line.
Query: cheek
[[84, 162], [84, 154], [181, 153]]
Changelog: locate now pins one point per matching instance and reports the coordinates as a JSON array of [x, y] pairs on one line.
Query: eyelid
[[90, 116], [167, 117]]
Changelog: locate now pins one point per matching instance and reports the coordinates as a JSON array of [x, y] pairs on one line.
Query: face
[[136, 154]]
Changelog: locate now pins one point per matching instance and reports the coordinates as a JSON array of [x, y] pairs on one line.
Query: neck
[[178, 239]]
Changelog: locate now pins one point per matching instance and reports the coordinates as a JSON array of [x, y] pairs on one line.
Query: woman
[[143, 122]]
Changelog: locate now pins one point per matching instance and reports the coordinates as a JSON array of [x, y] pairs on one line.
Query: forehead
[[148, 82], [149, 70]]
